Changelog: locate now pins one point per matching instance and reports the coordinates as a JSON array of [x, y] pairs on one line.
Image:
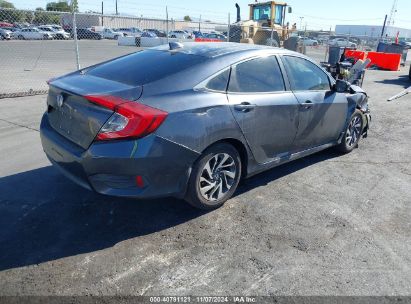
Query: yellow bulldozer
[[266, 26]]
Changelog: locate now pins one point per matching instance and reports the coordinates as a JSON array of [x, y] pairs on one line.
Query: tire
[[209, 186], [409, 73], [116, 37], [20, 37], [315, 44], [352, 134]]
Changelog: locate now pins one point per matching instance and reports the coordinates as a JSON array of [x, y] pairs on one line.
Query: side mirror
[[341, 86], [290, 10]]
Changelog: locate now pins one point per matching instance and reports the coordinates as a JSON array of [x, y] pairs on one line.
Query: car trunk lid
[[76, 118]]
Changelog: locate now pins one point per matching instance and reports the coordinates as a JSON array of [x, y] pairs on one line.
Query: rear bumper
[[112, 168]]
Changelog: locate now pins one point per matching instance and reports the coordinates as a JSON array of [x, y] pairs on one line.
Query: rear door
[[266, 112], [322, 111]]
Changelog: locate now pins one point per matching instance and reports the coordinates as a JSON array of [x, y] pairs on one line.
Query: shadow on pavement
[[402, 81], [44, 216]]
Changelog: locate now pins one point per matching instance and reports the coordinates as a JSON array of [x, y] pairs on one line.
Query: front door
[[322, 111]]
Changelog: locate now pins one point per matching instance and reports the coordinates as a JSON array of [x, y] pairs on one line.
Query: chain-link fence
[[38, 45]]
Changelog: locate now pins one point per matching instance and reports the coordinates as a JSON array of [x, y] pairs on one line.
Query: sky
[[317, 14]]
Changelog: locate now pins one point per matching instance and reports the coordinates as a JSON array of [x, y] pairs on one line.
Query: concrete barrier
[[127, 41], [148, 41]]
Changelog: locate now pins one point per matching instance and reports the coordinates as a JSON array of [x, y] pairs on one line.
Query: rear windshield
[[145, 66]]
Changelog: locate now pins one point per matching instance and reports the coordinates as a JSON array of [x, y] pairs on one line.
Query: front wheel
[[215, 177], [352, 134]]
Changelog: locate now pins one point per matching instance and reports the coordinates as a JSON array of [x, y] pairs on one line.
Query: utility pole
[[116, 8], [199, 24], [301, 23], [167, 23], [102, 13]]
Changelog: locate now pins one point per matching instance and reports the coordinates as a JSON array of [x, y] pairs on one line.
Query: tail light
[[130, 119]]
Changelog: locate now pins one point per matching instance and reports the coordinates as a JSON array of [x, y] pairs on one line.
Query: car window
[[304, 75], [219, 82], [257, 75], [145, 66]]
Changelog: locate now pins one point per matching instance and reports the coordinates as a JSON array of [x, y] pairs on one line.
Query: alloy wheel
[[353, 132], [217, 177]]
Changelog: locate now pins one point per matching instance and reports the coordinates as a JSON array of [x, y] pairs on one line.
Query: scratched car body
[[190, 120]]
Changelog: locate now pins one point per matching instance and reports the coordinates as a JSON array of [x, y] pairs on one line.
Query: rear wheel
[[215, 177], [116, 37], [352, 134], [20, 37]]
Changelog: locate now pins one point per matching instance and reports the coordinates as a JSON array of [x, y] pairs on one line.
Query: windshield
[[262, 12]]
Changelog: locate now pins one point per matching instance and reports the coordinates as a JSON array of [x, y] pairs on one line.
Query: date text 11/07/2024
[[202, 299]]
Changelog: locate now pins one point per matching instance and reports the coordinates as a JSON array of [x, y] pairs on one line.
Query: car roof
[[217, 49]]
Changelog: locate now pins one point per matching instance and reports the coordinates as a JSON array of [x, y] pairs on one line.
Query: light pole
[[301, 23]]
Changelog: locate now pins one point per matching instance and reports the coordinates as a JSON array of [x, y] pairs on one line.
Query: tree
[[187, 18], [74, 6], [8, 13], [6, 4], [60, 6]]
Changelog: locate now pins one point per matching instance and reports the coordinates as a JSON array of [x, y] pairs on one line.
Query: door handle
[[244, 107], [308, 104]]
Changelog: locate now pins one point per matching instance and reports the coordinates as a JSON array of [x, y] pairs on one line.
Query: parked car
[[158, 33], [148, 34], [309, 41], [405, 43], [32, 33], [215, 36], [5, 34], [197, 34], [342, 42], [87, 34], [109, 33], [180, 35], [9, 28], [57, 33], [133, 31], [209, 115]]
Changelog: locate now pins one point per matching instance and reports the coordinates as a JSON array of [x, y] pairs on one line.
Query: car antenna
[[175, 45]]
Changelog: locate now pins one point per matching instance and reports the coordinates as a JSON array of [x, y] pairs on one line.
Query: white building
[[371, 31]]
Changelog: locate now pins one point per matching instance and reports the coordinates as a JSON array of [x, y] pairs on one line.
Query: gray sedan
[[190, 120]]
